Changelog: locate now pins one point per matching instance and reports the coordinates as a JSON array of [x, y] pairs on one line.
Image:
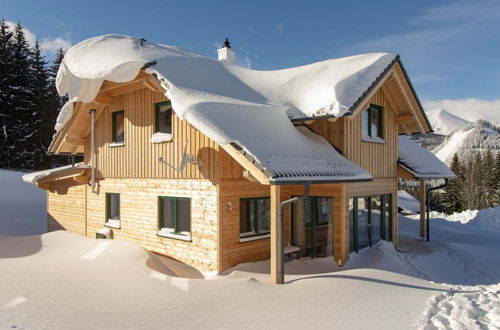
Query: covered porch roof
[[415, 162]]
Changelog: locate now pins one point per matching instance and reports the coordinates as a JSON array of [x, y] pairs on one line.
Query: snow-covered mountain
[[444, 122], [469, 139]]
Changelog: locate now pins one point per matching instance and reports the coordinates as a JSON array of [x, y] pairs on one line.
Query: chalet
[[214, 164]]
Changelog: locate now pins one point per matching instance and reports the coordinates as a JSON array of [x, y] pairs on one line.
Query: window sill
[[161, 137], [165, 233], [113, 224], [373, 139], [117, 144], [254, 238]]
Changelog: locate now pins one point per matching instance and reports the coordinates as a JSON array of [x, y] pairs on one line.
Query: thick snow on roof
[[35, 176], [421, 162], [230, 103]]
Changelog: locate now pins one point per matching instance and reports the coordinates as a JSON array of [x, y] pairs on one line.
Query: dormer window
[[163, 122], [371, 122]]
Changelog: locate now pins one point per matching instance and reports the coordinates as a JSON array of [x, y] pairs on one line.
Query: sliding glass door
[[312, 226], [370, 219]]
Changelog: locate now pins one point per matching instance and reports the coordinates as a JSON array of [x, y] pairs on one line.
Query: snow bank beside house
[[22, 206], [487, 218]]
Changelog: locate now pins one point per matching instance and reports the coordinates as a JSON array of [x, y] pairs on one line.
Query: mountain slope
[[444, 122], [466, 141]]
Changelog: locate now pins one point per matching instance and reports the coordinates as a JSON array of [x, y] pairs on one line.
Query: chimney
[[226, 54]]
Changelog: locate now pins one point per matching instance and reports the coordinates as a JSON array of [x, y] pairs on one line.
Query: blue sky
[[451, 49]]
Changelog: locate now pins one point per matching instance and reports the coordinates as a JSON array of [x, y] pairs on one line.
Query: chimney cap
[[226, 44]]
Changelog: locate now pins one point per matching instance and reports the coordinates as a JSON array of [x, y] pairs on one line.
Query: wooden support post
[[422, 208], [277, 273]]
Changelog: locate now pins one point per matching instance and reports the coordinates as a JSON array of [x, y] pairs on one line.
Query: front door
[[312, 226]]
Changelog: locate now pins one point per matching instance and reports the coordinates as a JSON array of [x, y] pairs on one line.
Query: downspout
[[281, 264], [92, 151], [428, 202]]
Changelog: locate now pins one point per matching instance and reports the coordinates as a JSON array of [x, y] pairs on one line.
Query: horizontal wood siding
[[138, 158], [66, 206]]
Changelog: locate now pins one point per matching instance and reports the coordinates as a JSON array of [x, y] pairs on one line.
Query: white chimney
[[226, 54]]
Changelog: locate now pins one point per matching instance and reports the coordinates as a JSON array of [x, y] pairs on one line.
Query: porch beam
[[422, 208], [277, 272]]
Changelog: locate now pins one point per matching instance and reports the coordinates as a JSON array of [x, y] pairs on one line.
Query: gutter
[[427, 200], [92, 151], [280, 254]]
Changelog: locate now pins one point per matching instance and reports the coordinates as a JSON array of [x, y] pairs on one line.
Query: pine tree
[[21, 126], [453, 195], [41, 111], [6, 101], [488, 174]]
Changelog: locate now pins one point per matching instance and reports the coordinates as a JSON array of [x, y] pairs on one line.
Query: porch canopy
[[77, 171], [416, 162]]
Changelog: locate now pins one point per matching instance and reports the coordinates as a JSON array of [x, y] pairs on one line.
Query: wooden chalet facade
[[220, 209]]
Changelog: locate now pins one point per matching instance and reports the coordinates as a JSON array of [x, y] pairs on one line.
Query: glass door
[[312, 226]]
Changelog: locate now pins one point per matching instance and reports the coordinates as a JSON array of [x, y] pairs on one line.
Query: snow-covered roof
[[420, 162], [34, 177], [232, 104]]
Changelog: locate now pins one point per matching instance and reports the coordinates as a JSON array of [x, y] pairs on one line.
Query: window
[[163, 117], [118, 129], [175, 217], [312, 226], [371, 122], [370, 220], [112, 210], [254, 216]]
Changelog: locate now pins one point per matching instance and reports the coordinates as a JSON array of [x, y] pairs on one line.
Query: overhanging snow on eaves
[[419, 162]]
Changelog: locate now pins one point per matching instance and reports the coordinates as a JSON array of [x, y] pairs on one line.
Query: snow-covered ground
[[64, 280]]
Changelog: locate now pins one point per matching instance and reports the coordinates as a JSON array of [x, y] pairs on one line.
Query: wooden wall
[[380, 159], [66, 201], [138, 158], [233, 252]]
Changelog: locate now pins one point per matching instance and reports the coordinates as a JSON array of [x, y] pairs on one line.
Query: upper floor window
[[118, 127], [163, 122], [163, 117], [371, 121]]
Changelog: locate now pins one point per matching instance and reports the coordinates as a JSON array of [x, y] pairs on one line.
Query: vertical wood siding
[[138, 158]]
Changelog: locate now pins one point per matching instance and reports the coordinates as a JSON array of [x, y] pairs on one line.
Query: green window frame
[[385, 220], [176, 205], [113, 211], [158, 127], [371, 122], [251, 206], [114, 134]]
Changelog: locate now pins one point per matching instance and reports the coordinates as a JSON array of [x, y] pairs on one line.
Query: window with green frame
[[118, 126], [254, 216], [370, 219], [371, 122], [174, 215], [163, 117], [113, 210]]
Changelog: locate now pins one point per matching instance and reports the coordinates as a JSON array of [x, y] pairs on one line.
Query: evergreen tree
[[453, 195], [6, 101], [41, 111], [21, 126], [488, 174]]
